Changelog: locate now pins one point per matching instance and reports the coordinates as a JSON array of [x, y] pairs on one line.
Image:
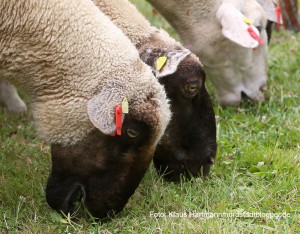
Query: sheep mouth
[[174, 172], [78, 195], [100, 173], [258, 96], [76, 204], [67, 201]]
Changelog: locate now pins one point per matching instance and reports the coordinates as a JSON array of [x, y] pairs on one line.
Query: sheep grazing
[[79, 67], [189, 144], [230, 38]]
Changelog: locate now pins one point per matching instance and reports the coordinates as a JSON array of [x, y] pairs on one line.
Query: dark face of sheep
[[188, 146], [102, 171]]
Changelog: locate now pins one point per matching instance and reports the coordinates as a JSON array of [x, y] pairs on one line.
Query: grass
[[257, 169]]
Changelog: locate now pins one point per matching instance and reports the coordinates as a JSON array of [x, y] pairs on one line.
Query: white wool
[[232, 68], [65, 52], [135, 26]]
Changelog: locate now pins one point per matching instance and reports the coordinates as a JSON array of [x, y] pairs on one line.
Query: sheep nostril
[[211, 160], [78, 195], [263, 88], [180, 157]]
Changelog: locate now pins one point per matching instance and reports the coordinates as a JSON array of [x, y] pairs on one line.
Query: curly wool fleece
[[73, 61]]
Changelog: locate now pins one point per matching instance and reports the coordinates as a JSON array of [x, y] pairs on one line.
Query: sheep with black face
[[78, 67], [188, 146]]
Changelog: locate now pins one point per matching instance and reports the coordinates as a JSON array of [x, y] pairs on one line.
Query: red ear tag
[[119, 120], [255, 36], [278, 14]]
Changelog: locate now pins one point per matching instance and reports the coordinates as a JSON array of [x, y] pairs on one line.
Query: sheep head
[[102, 170], [218, 32], [78, 67], [188, 146]]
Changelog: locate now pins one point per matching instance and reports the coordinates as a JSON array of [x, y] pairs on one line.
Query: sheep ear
[[164, 62], [101, 109], [270, 10], [234, 27]]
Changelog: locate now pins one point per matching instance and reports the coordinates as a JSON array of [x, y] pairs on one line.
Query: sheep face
[[188, 146], [218, 32], [237, 72], [103, 171], [235, 62]]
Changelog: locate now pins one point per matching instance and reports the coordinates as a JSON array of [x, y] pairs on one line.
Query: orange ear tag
[[119, 120], [161, 61], [278, 15], [255, 36]]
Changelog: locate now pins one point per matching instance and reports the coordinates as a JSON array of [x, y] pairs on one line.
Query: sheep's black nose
[[62, 197], [77, 195], [180, 157], [211, 160]]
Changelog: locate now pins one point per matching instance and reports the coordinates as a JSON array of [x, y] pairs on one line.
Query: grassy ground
[[257, 170]]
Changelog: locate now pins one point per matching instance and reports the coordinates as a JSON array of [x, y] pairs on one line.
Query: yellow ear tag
[[247, 20], [161, 61], [125, 106]]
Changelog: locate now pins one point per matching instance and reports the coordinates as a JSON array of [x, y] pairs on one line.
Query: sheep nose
[[211, 160], [263, 88], [180, 156]]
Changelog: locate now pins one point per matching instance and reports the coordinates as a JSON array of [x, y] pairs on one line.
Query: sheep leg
[[10, 99]]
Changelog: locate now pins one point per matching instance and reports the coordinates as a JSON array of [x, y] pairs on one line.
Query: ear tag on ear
[[278, 14], [119, 120], [161, 61], [247, 20], [255, 36], [125, 108]]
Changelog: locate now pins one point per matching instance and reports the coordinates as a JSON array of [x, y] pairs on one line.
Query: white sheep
[[53, 68], [189, 144], [217, 31], [78, 67]]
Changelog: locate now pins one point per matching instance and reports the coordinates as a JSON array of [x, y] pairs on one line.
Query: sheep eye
[[191, 88], [132, 133]]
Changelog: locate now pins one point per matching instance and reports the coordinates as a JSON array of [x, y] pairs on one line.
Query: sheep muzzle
[[101, 171]]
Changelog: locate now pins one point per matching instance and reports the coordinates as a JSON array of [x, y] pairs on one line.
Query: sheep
[[10, 99], [217, 31], [78, 68], [273, 13], [188, 146]]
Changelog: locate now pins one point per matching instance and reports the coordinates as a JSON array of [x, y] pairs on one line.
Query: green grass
[[257, 169]]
